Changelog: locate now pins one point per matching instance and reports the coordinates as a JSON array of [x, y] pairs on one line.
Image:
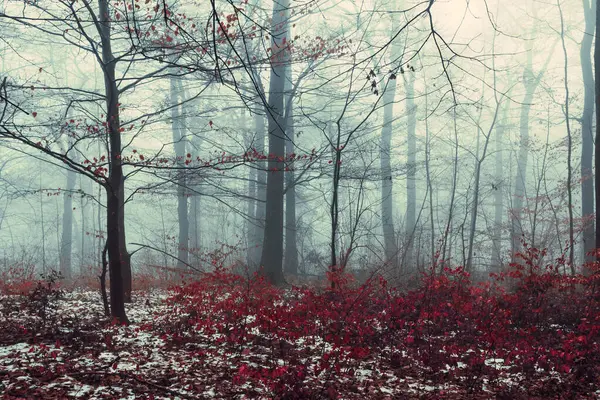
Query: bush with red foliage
[[17, 279], [530, 332]]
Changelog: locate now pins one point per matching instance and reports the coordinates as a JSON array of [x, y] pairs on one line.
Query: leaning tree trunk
[[587, 136], [272, 251], [115, 183]]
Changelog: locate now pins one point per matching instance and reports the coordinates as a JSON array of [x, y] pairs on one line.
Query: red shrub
[[540, 334]]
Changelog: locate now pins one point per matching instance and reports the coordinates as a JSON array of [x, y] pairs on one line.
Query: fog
[[296, 137]]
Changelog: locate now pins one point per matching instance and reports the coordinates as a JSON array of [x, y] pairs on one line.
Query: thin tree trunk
[[387, 197], [531, 82], [180, 154], [475, 204], [42, 225], [587, 136], [67, 228], [569, 146], [411, 171], [498, 187], [260, 194], [449, 224], [597, 142], [521, 177], [251, 222], [429, 182]]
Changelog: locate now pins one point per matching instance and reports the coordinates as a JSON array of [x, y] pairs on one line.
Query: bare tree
[[587, 136]]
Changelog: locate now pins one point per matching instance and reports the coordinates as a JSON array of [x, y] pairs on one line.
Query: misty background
[[448, 131]]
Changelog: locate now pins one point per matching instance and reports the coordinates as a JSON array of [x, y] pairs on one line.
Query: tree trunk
[[251, 222], [272, 251], [498, 187], [291, 250], [125, 256], [569, 145], [66, 245], [102, 278], [587, 136], [114, 187], [259, 180], [521, 177], [181, 156], [195, 212], [475, 204], [387, 180], [597, 142], [411, 170], [531, 82]]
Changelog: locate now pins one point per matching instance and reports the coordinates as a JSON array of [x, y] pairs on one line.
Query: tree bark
[[587, 136], [272, 251], [114, 187], [411, 170], [496, 262], [180, 154], [597, 142], [387, 180], [258, 179], [66, 245], [125, 256], [291, 250]]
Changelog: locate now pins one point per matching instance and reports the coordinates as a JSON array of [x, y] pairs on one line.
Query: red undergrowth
[[530, 332]]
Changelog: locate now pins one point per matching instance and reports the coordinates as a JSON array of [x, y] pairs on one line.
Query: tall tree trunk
[[597, 142], [125, 256], [428, 177], [530, 82], [390, 242], [181, 156], [475, 204], [251, 204], [291, 250], [115, 185], [521, 178], [587, 136], [195, 210], [448, 228], [259, 177], [569, 145], [498, 187], [411, 170], [66, 245], [272, 251]]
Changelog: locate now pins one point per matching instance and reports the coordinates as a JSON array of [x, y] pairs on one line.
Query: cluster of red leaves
[[17, 279], [531, 332]]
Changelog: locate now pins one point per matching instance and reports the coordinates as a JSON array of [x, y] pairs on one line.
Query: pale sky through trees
[[485, 35]]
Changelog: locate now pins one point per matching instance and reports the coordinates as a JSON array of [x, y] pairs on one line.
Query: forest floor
[[59, 345]]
